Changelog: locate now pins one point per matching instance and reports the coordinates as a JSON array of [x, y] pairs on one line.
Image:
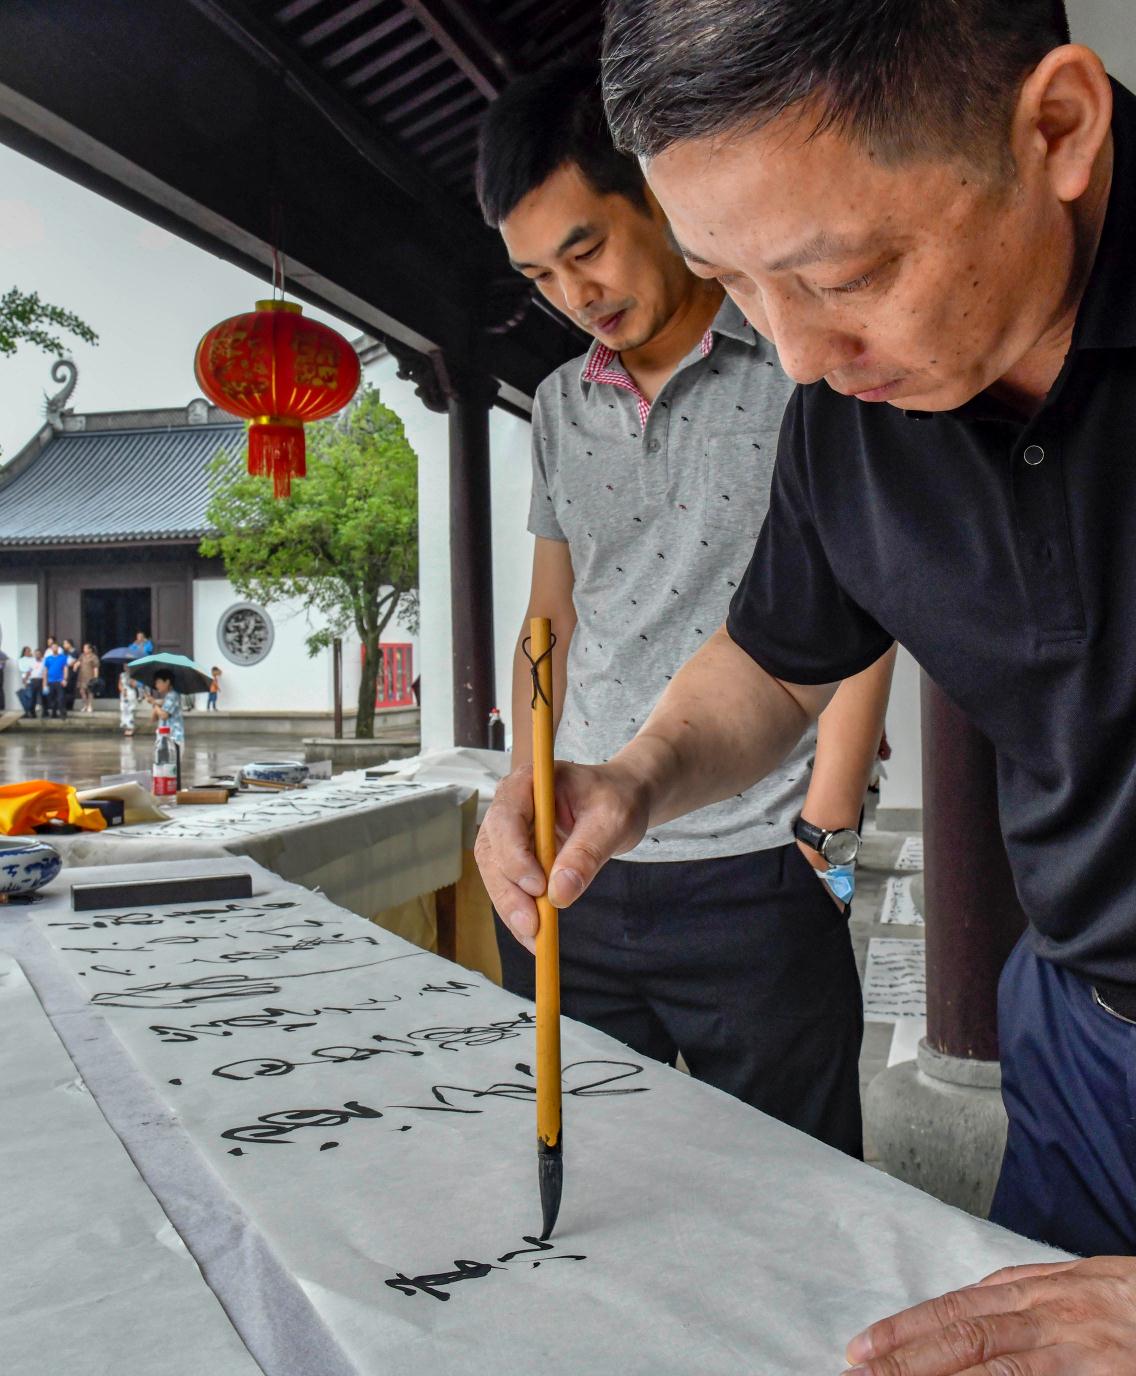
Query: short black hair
[[903, 78], [543, 122]]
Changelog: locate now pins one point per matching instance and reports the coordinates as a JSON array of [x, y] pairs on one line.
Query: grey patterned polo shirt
[[661, 505]]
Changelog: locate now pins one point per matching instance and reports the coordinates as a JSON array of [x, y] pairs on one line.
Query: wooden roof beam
[[468, 40]]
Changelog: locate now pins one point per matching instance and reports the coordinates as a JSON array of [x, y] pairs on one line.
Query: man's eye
[[589, 253], [857, 284]]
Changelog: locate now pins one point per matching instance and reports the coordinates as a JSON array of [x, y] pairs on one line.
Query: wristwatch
[[837, 847]]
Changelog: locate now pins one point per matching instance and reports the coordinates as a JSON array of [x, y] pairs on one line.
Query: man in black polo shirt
[[932, 206]]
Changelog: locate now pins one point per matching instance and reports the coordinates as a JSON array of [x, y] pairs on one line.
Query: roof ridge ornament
[[62, 370]]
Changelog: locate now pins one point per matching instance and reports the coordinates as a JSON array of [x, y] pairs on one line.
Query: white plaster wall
[[287, 679], [511, 475], [428, 433], [19, 620]]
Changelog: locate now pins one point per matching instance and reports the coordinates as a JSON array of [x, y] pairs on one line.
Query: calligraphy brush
[[549, 1143]]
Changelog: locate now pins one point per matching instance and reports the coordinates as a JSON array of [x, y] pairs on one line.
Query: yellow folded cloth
[[23, 807]]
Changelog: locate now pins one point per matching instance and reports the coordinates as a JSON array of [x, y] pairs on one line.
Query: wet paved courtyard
[[84, 757]]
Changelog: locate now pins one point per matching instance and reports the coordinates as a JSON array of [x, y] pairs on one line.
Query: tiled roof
[[89, 488]]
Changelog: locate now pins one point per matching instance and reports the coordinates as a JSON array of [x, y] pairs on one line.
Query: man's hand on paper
[[601, 811], [1072, 1318]]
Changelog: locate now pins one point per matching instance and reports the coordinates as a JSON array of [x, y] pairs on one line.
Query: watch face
[[841, 847]]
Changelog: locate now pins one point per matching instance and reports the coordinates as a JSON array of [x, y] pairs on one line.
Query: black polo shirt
[[1002, 554]]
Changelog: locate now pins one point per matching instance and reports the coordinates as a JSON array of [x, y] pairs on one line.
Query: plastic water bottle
[[496, 730], [165, 764]]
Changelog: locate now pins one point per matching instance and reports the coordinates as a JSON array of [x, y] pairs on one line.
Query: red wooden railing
[[393, 688]]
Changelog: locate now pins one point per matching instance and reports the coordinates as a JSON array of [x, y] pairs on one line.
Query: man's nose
[[808, 347], [579, 292]]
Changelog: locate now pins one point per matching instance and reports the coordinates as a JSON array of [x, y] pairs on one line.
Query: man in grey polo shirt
[[652, 460]]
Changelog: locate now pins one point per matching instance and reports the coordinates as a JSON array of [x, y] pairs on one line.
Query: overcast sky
[[149, 295]]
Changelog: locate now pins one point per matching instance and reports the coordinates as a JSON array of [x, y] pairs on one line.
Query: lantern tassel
[[277, 451]]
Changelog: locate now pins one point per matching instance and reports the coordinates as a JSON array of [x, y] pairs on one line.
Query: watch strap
[[810, 835]]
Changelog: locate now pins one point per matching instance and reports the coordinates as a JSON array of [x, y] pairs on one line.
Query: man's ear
[[1062, 118]]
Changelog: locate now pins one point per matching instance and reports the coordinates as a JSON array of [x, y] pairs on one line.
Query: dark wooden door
[[170, 584]]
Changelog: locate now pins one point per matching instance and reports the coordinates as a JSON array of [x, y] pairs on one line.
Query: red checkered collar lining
[[603, 366]]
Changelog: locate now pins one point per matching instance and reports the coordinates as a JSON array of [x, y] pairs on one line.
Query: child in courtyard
[[127, 701]]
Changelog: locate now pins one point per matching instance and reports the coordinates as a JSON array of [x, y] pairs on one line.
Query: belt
[[1117, 999]]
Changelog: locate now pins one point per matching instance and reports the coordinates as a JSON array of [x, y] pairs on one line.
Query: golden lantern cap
[[291, 306]]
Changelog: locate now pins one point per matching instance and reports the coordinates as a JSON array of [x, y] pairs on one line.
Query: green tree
[[345, 542], [25, 319]]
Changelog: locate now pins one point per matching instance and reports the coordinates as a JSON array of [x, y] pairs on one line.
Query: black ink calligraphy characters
[[436, 1284], [276, 1127], [450, 1038], [284, 1019], [259, 1066], [582, 1079]]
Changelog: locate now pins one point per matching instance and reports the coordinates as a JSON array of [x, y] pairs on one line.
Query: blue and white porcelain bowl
[[27, 865], [276, 771]]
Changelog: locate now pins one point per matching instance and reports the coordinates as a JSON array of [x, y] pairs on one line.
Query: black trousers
[[1069, 1085], [56, 700], [743, 964]]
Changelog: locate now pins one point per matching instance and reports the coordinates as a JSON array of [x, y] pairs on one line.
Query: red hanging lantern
[[278, 370]]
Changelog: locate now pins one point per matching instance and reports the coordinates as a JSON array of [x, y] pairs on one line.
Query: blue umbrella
[[187, 676], [123, 652]]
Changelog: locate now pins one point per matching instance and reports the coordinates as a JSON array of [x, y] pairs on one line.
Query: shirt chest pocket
[[737, 473]]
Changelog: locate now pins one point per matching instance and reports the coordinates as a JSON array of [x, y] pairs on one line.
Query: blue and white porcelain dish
[[27, 865], [276, 771]]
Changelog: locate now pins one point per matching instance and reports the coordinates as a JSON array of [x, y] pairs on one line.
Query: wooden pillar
[[470, 398], [971, 910], [337, 685]]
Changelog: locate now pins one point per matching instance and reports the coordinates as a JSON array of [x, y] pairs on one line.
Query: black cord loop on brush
[[534, 666]]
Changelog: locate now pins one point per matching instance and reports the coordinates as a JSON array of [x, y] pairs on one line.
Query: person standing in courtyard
[[26, 694], [55, 681], [717, 937], [37, 684], [214, 689], [127, 702], [87, 671], [71, 683], [166, 703]]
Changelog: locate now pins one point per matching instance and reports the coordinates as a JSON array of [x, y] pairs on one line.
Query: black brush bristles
[[550, 1167]]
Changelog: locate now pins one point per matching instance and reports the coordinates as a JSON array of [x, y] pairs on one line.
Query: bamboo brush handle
[[548, 937]]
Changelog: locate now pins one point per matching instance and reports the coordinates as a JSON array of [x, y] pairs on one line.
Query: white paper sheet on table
[[90, 1263], [249, 813], [461, 764], [895, 979], [139, 806], [899, 904], [370, 1108], [368, 844]]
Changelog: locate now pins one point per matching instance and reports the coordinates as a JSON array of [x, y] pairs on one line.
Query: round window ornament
[[245, 634]]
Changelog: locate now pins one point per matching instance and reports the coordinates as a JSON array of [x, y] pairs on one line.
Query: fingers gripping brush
[[549, 1143]]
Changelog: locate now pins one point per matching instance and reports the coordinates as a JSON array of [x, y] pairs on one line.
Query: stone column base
[[938, 1123]]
